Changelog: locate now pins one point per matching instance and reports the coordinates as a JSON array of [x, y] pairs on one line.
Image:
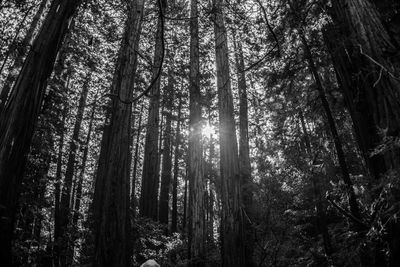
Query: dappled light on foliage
[[199, 133]]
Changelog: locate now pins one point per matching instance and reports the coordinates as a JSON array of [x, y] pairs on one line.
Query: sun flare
[[207, 130]]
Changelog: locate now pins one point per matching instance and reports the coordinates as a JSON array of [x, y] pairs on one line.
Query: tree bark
[[21, 112], [321, 210], [57, 189], [244, 154], [77, 203], [354, 209], [368, 49], [367, 62], [60, 84], [166, 174], [135, 164], [65, 211], [150, 176], [185, 194], [197, 234], [111, 210], [233, 253], [174, 226]]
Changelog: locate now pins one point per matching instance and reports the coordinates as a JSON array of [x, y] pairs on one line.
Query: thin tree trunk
[[244, 154], [77, 203], [166, 174], [57, 185], [160, 154], [197, 233], [185, 196], [112, 233], [65, 211], [61, 84], [174, 226], [321, 210], [150, 176], [212, 181], [232, 247], [21, 112], [135, 164], [21, 53], [354, 209]]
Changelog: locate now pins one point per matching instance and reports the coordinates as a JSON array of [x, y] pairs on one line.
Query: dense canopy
[[199, 133]]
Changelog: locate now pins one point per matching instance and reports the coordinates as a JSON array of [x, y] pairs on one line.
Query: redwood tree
[[197, 233], [244, 153], [166, 172], [150, 177], [111, 200], [21, 112], [232, 216], [366, 58]]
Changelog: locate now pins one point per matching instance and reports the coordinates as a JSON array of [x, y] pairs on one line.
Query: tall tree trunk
[[174, 226], [212, 181], [57, 94], [321, 210], [160, 154], [354, 209], [21, 112], [368, 49], [197, 232], [57, 189], [150, 176], [21, 52], [185, 194], [166, 174], [65, 212], [61, 85], [135, 163], [77, 203], [244, 154], [233, 253], [368, 63], [112, 231]]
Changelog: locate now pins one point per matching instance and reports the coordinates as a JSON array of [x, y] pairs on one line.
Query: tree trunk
[[368, 63], [21, 52], [21, 112], [321, 210], [196, 172], [150, 176], [57, 189], [166, 174], [233, 253], [244, 154], [174, 226], [77, 203], [111, 200], [185, 193], [354, 209], [368, 50], [60, 86], [212, 181], [135, 164], [65, 212]]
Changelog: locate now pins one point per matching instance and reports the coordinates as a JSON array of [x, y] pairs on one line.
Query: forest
[[200, 133]]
